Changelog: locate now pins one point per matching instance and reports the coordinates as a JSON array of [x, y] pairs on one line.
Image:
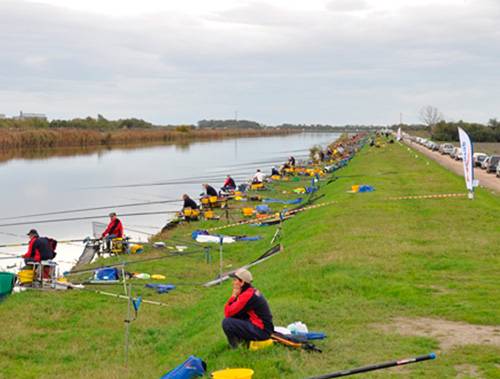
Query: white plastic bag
[[298, 327]]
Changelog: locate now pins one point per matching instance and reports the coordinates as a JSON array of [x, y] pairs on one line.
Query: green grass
[[345, 268]]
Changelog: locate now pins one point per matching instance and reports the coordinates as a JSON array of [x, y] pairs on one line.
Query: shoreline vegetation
[[36, 132], [13, 139]]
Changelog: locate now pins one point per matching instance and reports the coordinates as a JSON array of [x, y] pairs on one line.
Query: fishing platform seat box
[[118, 246], [209, 215], [191, 214], [26, 276], [41, 272], [257, 186]]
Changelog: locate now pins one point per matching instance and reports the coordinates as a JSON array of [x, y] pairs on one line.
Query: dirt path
[[449, 334], [485, 180]]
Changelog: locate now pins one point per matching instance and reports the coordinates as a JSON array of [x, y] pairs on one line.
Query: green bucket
[[7, 280]]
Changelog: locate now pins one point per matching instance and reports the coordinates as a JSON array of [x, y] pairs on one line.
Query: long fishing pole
[[194, 243], [10, 257], [91, 209], [85, 218], [193, 179], [128, 263], [379, 366], [27, 243]]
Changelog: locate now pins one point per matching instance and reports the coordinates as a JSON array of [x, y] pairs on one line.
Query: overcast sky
[[273, 61]]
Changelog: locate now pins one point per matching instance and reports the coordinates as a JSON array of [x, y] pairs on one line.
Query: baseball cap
[[32, 232], [242, 274]]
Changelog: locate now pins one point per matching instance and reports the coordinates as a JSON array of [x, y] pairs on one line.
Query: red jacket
[[229, 183], [115, 227], [250, 305], [33, 252]]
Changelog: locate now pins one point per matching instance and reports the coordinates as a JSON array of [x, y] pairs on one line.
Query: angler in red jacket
[[39, 249], [229, 184], [248, 317], [114, 229]]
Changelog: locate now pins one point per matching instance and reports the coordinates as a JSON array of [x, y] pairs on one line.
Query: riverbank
[[72, 137], [383, 278]]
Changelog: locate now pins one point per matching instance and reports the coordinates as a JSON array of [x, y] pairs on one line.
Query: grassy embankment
[[346, 268], [72, 137]]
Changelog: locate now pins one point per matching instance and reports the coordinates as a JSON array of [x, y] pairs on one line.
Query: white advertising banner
[[467, 155]]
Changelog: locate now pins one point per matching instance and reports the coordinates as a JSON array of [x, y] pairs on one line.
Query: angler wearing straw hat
[[247, 314]]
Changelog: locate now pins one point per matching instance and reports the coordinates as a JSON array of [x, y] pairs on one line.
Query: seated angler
[[258, 177], [209, 190], [247, 314], [113, 230], [188, 202], [229, 184], [39, 248]]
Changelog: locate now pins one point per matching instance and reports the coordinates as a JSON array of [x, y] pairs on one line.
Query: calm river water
[[34, 186]]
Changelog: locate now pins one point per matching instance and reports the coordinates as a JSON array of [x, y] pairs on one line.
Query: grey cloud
[[347, 5], [270, 63]]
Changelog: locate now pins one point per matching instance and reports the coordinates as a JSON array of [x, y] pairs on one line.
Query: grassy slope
[[345, 268]]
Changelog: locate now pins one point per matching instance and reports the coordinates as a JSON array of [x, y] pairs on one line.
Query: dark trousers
[[238, 331]]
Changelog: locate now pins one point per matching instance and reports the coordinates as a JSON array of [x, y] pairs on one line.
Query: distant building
[[30, 116]]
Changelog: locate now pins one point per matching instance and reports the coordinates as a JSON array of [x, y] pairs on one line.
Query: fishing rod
[[85, 218], [193, 179], [128, 263], [11, 256], [139, 231], [90, 239], [91, 209], [12, 234], [379, 366], [27, 243]]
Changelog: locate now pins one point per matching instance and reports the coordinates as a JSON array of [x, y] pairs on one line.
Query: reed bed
[[69, 137]]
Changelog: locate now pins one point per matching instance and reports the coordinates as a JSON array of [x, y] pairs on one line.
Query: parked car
[[479, 158], [454, 152], [493, 163], [431, 145], [446, 148], [498, 170], [485, 163], [458, 155], [435, 146]]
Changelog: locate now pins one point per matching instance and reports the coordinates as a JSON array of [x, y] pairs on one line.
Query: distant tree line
[[447, 131], [229, 124], [99, 123], [330, 128]]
